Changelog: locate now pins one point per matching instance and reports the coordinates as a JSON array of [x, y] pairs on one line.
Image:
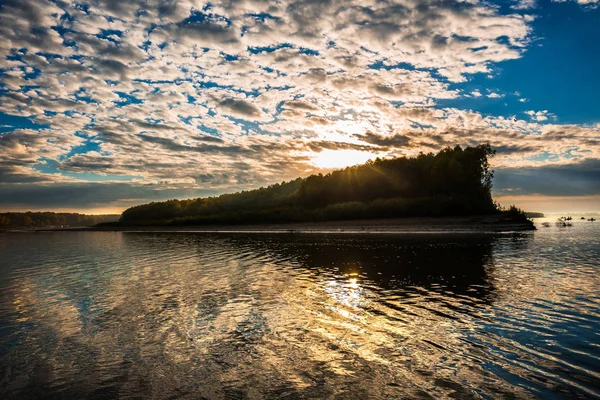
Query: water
[[348, 316]]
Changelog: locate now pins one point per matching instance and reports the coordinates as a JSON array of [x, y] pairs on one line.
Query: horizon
[[109, 105], [588, 204], [120, 211]]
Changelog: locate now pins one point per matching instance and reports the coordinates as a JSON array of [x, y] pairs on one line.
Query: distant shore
[[475, 224]]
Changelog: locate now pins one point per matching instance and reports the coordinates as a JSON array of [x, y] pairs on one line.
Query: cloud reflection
[[273, 316]]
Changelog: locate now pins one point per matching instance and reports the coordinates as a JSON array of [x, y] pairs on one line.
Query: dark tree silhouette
[[51, 219], [453, 182]]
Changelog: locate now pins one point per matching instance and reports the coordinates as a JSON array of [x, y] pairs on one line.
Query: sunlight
[[345, 292], [340, 158]]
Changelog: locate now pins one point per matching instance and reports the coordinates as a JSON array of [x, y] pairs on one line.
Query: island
[[51, 220], [448, 190]]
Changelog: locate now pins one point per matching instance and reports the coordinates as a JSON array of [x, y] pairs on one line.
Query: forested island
[[11, 220], [454, 182]]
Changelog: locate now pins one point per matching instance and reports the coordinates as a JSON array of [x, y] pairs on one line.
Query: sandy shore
[[476, 224]]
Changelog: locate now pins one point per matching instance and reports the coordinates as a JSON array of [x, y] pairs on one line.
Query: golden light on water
[[340, 158], [346, 293], [206, 313]]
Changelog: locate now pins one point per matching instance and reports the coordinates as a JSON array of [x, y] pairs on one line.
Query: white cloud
[[542, 115], [583, 2], [524, 4], [263, 82]]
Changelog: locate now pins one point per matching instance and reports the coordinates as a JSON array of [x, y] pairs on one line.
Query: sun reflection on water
[[302, 316]]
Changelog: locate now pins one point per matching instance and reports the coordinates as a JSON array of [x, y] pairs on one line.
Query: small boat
[[592, 219], [582, 218]]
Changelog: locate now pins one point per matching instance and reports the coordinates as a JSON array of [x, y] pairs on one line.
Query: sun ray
[[340, 158]]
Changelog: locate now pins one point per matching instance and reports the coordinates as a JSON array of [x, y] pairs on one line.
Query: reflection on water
[[175, 315]]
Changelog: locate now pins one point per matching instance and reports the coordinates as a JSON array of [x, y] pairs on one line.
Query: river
[[292, 315]]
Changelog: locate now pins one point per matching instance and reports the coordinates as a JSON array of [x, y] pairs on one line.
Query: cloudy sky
[[106, 104]]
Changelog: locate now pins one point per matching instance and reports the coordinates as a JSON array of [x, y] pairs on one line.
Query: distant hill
[[51, 219], [453, 182]]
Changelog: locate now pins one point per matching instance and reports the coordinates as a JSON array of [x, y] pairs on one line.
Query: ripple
[[234, 315]]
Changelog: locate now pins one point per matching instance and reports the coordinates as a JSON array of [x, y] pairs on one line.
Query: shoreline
[[472, 224]]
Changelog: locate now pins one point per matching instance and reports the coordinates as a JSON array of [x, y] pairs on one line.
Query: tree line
[[51, 219], [452, 182]]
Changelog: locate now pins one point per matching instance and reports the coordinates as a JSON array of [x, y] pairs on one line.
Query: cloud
[[198, 28], [524, 4], [542, 115], [318, 146], [577, 179], [240, 108], [88, 195], [209, 139], [173, 145], [191, 98], [582, 2], [396, 140], [300, 106]]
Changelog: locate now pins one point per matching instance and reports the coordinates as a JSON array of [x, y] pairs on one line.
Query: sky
[[105, 104]]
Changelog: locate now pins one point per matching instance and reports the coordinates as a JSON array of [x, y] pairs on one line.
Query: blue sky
[[558, 72], [119, 103]]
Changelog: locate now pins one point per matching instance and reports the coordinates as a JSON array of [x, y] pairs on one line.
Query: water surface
[[188, 315]]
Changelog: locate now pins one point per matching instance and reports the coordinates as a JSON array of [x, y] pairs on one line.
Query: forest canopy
[[51, 219], [453, 182]]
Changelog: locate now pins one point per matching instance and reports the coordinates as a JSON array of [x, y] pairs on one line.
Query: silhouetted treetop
[[454, 181]]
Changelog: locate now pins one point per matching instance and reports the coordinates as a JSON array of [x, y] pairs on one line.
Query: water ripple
[[232, 316]]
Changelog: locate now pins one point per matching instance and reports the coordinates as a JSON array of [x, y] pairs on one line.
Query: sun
[[340, 158]]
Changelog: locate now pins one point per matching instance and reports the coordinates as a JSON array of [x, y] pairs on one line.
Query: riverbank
[[475, 224]]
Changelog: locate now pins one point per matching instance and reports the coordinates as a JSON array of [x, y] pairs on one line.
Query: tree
[[454, 181]]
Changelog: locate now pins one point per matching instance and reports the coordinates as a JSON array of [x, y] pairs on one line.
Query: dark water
[[181, 315]]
